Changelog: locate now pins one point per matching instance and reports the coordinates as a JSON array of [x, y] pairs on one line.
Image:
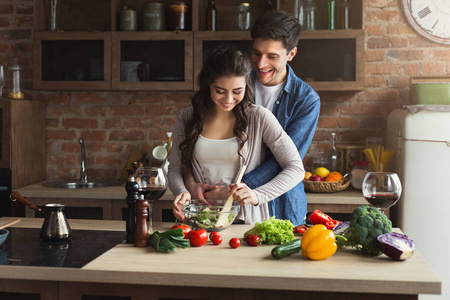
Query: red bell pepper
[[318, 217], [300, 229], [332, 223]]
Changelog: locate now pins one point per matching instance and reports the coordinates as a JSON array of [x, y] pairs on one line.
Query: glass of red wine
[[382, 189], [152, 185]]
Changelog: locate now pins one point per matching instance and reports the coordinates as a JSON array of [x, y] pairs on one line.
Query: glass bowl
[[203, 214]]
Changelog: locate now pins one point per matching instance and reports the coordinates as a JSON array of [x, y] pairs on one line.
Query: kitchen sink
[[73, 184]]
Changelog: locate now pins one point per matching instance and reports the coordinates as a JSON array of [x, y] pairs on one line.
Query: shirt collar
[[290, 82]]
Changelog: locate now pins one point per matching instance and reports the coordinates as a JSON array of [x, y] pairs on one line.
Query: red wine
[[382, 201], [152, 193]]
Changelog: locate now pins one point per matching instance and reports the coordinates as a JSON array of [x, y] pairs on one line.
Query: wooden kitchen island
[[220, 272]]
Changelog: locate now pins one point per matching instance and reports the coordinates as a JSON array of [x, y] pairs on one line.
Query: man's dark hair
[[279, 26]]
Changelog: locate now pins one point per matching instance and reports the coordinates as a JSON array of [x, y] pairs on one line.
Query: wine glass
[[382, 189]]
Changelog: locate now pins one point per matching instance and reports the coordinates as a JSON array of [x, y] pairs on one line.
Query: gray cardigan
[[263, 129]]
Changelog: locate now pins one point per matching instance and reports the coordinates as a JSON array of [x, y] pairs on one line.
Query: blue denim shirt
[[297, 109]]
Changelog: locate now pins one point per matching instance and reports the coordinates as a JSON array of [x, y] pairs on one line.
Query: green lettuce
[[273, 231]]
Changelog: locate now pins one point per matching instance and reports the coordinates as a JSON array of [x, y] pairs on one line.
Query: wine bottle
[[211, 16]]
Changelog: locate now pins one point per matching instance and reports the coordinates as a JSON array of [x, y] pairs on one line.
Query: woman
[[222, 130]]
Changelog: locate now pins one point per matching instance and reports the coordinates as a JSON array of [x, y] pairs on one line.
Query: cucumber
[[286, 249]]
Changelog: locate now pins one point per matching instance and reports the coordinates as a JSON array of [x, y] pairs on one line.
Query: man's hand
[[199, 190], [220, 193], [243, 194]]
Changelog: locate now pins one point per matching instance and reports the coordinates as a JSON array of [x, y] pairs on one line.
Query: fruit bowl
[[328, 186], [203, 214]]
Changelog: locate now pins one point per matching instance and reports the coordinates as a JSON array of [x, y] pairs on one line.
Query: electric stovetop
[[24, 247]]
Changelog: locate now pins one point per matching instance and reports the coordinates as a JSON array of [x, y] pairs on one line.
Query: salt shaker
[[141, 229]]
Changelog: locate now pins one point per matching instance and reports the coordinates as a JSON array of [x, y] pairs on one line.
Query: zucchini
[[286, 249]]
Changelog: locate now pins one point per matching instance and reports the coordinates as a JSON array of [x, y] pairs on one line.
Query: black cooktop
[[24, 247]]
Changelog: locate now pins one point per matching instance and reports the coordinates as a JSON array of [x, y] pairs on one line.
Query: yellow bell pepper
[[318, 243]]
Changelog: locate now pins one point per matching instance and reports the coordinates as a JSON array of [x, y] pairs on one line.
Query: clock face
[[430, 18]]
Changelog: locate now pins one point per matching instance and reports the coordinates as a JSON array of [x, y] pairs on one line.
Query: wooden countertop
[[245, 267], [37, 190]]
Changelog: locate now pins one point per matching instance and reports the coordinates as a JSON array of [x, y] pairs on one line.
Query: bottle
[[14, 81], [358, 173], [269, 5], [243, 16], [334, 154], [298, 11], [345, 15], [331, 9], [309, 16], [211, 16]]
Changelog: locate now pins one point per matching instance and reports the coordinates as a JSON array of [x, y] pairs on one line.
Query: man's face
[[269, 58]]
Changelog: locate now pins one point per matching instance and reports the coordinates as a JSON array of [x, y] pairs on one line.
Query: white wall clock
[[430, 18]]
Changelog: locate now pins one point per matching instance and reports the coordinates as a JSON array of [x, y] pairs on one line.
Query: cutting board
[[8, 222]]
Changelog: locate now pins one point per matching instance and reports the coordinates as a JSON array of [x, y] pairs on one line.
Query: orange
[[333, 176]]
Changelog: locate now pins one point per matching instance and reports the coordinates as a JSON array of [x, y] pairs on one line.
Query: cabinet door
[[72, 61], [152, 60]]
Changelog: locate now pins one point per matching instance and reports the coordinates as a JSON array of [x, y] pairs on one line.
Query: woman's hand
[[180, 200], [243, 194]]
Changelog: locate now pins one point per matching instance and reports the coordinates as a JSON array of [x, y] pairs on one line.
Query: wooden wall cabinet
[[90, 53]]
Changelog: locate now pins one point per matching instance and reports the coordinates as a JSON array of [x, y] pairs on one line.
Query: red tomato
[[253, 240], [197, 238], [216, 239], [213, 234], [234, 243], [186, 229]]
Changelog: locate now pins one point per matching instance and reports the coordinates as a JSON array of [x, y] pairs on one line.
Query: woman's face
[[227, 92]]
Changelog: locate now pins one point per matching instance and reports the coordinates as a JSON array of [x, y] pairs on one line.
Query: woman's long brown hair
[[221, 61]]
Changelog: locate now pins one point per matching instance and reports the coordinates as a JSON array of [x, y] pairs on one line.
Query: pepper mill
[[132, 188], [141, 229]]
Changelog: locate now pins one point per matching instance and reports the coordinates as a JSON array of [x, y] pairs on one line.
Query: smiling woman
[[223, 117]]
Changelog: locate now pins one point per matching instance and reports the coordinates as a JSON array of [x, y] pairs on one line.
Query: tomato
[[253, 240], [332, 223], [216, 239], [234, 243], [186, 229], [213, 234], [197, 238]]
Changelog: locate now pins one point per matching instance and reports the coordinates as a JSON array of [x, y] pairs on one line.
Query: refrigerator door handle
[[431, 141]]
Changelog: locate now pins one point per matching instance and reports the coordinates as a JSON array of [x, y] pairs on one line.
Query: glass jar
[[14, 81], [178, 15], [298, 11], [128, 21], [309, 17], [153, 17], [243, 16], [358, 173]]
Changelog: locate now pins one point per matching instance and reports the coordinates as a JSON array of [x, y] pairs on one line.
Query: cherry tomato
[[253, 240], [213, 234], [234, 243], [186, 229], [216, 239], [197, 238]]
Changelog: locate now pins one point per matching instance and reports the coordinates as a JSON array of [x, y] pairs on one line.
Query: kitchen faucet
[[83, 173]]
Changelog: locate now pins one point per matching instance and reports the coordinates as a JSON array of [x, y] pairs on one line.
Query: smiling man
[[294, 103]]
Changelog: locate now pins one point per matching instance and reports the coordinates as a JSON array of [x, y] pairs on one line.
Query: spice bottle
[[331, 9], [243, 16], [358, 173], [211, 16], [178, 15], [128, 21], [14, 81], [309, 17], [345, 15], [153, 16]]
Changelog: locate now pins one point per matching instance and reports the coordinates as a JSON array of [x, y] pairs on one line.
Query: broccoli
[[366, 224]]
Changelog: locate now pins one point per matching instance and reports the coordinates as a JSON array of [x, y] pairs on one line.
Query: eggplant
[[395, 245]]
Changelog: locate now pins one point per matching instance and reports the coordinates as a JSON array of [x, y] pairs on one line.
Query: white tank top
[[219, 159]]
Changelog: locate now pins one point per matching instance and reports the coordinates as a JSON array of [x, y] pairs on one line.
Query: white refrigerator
[[422, 159]]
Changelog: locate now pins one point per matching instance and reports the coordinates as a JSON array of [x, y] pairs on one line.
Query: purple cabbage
[[342, 228], [395, 245]]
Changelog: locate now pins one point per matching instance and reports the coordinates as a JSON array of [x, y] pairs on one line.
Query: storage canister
[[153, 17], [128, 21], [178, 15], [243, 16]]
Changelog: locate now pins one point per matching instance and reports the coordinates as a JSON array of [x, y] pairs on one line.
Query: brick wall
[[112, 123]]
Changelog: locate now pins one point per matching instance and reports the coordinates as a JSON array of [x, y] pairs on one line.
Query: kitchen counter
[[220, 272], [112, 199]]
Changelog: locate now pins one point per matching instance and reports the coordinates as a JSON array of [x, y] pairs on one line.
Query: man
[[295, 104]]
